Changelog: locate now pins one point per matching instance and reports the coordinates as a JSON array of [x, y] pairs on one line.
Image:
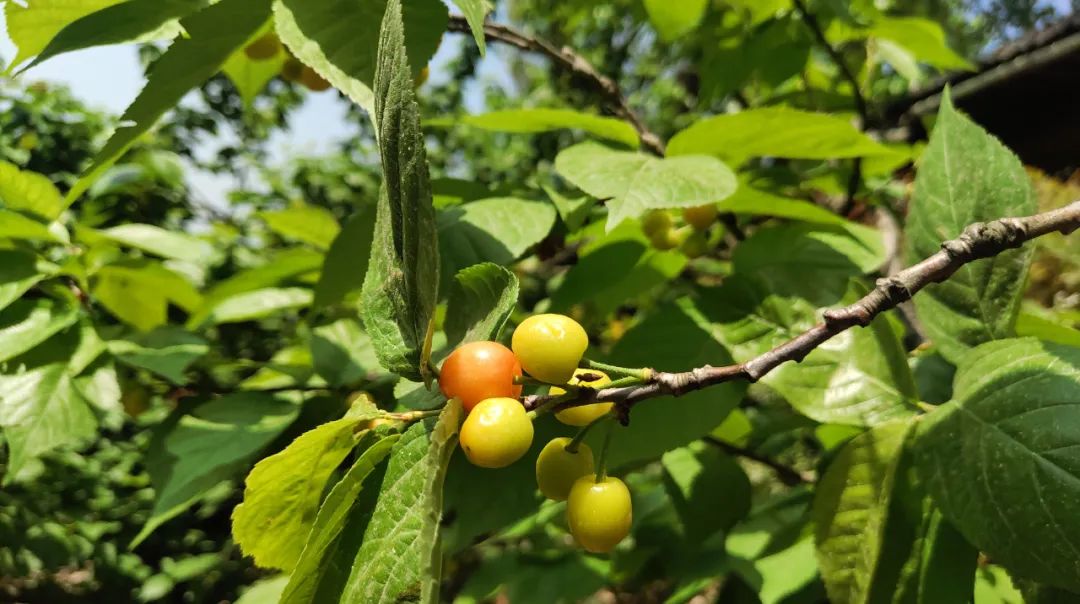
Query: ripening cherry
[[311, 79], [584, 415], [550, 347], [701, 217], [655, 222], [696, 245], [264, 47], [479, 370], [292, 70], [496, 433], [599, 512], [557, 469]]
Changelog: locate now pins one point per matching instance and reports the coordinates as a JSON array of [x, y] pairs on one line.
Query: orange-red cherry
[[480, 370]]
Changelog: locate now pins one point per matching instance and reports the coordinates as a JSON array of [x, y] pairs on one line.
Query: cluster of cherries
[[485, 377], [692, 239]]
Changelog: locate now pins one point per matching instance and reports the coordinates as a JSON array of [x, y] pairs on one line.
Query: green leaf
[[573, 210], [28, 191], [696, 478], [670, 339], [310, 224], [342, 353], [475, 11], [1044, 328], [529, 121], [14, 225], [340, 39], [784, 256], [32, 26], [851, 508], [636, 182], [673, 20], [614, 268], [498, 230], [264, 590], [140, 295], [327, 556], [774, 132], [283, 491], [195, 452], [27, 323], [1002, 459], [116, 24], [19, 271], [259, 304], [161, 242], [166, 351], [278, 268], [401, 287], [212, 35], [400, 556], [748, 200], [41, 410], [480, 301], [858, 378], [250, 76], [967, 176], [994, 586], [923, 38], [346, 262]]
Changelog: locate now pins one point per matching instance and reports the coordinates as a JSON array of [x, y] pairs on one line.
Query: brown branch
[[786, 474], [576, 64], [861, 107], [979, 240]]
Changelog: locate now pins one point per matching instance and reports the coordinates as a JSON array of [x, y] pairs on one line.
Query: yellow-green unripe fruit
[[584, 414], [558, 469], [701, 217], [599, 513], [655, 221], [496, 433], [550, 347]]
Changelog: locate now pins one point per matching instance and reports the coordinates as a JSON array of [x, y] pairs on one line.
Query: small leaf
[[139, 295], [28, 191], [480, 301], [213, 34], [1002, 459], [259, 304], [673, 20], [27, 323], [250, 76], [192, 453], [41, 410], [748, 200], [923, 38], [400, 554], [498, 230], [529, 121], [14, 225], [161, 242], [166, 351], [342, 353], [967, 176], [475, 11], [283, 491], [774, 132], [307, 223], [346, 262], [328, 553], [402, 282], [278, 268], [19, 271], [636, 182]]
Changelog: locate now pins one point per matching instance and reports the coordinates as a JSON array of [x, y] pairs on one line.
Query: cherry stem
[[412, 416], [601, 465], [643, 374], [549, 405], [572, 446]]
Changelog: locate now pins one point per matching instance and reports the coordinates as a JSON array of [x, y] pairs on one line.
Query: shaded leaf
[[346, 262], [529, 121], [166, 351], [342, 353], [675, 19], [306, 223], [696, 478], [19, 271], [480, 301], [28, 191], [27, 323]]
